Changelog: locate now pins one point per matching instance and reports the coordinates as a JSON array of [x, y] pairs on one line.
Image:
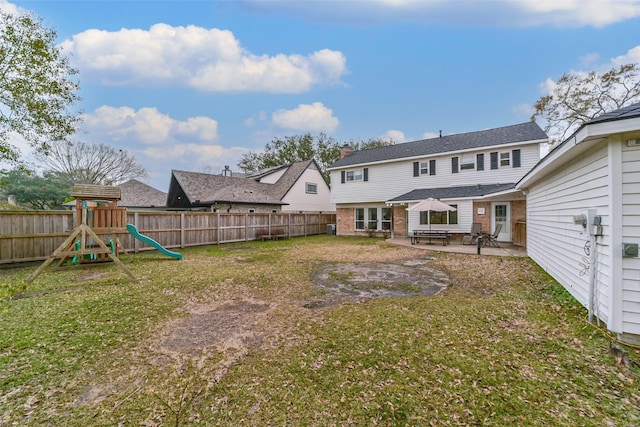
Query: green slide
[[133, 230]]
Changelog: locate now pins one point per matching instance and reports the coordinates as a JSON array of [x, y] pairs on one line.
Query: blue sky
[[192, 85]]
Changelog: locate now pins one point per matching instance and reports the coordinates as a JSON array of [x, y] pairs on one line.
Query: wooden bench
[[443, 235], [273, 235]]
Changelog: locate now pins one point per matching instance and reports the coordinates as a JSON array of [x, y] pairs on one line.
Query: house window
[[385, 219], [373, 218], [424, 168], [359, 219], [505, 159], [354, 175], [274, 210], [467, 163], [433, 217], [311, 188], [252, 211]]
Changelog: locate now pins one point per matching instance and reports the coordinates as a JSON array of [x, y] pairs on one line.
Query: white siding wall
[[631, 234], [390, 180], [272, 178], [555, 242], [299, 200]]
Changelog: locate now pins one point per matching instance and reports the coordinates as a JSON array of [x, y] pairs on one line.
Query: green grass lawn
[[225, 337]]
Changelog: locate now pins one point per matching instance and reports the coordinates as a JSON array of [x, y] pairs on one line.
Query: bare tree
[[580, 97], [92, 163]]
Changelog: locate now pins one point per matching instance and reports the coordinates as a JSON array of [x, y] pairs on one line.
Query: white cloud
[[204, 59], [524, 110], [507, 13], [315, 117], [8, 7], [547, 86], [632, 56], [429, 135], [160, 142], [147, 125], [397, 136]]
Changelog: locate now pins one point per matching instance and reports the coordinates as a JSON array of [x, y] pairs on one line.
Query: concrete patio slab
[[505, 249]]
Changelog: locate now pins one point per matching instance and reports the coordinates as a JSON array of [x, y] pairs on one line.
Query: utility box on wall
[[629, 250]]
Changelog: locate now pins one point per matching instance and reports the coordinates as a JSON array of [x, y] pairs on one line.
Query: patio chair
[[470, 237], [492, 239]]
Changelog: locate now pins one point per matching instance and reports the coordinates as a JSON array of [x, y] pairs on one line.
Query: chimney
[[440, 133], [345, 150]]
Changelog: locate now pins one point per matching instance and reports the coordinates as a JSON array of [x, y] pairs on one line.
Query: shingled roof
[[460, 192], [139, 194], [206, 189], [627, 112], [529, 131]]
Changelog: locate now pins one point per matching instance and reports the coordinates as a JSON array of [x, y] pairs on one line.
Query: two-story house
[[296, 187], [475, 172]]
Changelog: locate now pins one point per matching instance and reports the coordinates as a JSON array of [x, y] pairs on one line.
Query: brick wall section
[[399, 221], [518, 211], [345, 221], [485, 219], [518, 214]]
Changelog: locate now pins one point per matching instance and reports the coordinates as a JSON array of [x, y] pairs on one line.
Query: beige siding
[[300, 200]]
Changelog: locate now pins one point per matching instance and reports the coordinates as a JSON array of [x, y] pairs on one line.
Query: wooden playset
[[97, 218]]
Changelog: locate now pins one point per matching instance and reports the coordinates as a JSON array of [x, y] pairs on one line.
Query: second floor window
[[424, 168], [505, 159], [354, 175], [311, 188], [467, 162]]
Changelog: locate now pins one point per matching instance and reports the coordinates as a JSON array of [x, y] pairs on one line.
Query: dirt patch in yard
[[214, 333], [342, 282], [232, 327]]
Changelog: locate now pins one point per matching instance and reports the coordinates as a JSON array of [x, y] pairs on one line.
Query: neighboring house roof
[[139, 194], [529, 131], [575, 142], [460, 192], [204, 189]]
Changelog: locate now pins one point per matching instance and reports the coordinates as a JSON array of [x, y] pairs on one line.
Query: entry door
[[501, 214]]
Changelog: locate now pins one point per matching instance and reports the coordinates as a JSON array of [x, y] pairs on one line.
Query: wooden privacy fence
[[34, 235]]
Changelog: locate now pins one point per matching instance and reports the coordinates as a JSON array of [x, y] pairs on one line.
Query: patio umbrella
[[431, 204]]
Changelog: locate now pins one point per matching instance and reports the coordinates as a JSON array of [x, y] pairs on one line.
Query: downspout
[[595, 230]]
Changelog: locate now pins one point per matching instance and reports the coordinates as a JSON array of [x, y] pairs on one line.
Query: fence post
[[246, 227], [218, 227], [182, 230], [136, 242]]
